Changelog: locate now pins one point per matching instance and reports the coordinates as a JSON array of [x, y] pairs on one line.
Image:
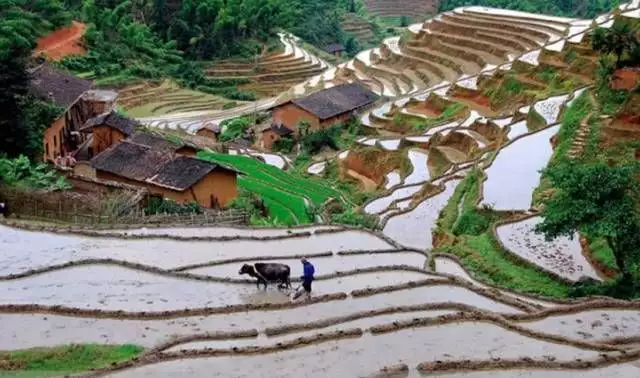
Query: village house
[[209, 130], [77, 102], [324, 108], [166, 174], [108, 129], [274, 133], [335, 49]]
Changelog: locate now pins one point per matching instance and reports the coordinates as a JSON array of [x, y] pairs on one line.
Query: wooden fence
[[34, 210]]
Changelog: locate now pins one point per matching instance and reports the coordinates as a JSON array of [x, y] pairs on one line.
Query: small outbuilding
[[179, 178], [209, 130], [324, 108], [335, 49], [274, 133], [108, 129]]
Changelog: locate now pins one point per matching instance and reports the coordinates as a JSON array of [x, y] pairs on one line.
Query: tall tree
[[619, 39], [599, 200]]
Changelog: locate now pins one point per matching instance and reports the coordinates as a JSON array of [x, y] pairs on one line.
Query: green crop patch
[[284, 193], [67, 359]]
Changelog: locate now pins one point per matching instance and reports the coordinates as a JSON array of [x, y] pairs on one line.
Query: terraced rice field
[[393, 9], [197, 317], [146, 100], [379, 307], [357, 27], [270, 75]]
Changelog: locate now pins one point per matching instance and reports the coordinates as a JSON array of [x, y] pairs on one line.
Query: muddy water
[[591, 325], [448, 266], [619, 371], [393, 179], [420, 171], [30, 330], [517, 129], [549, 109], [413, 229], [379, 205], [115, 288], [515, 172], [48, 249], [188, 232], [328, 265], [263, 340], [562, 256], [356, 357]]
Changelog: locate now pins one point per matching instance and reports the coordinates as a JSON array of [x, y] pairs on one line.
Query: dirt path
[[63, 42], [367, 184]]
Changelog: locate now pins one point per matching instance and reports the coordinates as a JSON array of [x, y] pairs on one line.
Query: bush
[[471, 223], [354, 218], [315, 141], [234, 128], [21, 173], [167, 206], [284, 145]]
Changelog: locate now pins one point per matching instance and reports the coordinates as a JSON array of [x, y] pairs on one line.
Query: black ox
[[268, 272]]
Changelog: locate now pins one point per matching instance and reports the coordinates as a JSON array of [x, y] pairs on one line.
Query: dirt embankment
[[373, 163], [63, 42]]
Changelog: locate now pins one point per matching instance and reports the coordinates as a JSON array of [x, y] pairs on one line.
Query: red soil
[[63, 42], [630, 118], [625, 78]]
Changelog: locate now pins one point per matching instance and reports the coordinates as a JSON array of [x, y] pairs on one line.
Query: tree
[[600, 201], [618, 40]]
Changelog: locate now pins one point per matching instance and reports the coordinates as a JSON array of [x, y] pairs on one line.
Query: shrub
[[284, 145], [471, 223], [21, 173], [354, 218], [234, 128], [315, 141], [167, 206]]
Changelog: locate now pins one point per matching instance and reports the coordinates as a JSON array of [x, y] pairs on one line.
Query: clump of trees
[[23, 119], [22, 173], [601, 201]]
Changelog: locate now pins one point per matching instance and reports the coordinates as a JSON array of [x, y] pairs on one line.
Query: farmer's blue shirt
[[308, 271]]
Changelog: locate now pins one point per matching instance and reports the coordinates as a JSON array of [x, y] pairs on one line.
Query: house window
[[55, 142], [46, 149]]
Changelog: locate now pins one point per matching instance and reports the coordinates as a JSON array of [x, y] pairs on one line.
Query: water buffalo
[[268, 272]]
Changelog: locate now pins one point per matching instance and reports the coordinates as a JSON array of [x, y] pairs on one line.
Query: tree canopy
[[600, 201]]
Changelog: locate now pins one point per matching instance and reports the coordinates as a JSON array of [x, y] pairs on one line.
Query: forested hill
[[570, 8]]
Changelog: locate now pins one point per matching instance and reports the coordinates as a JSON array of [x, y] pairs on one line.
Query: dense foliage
[[21, 173], [600, 201], [21, 22], [573, 8]]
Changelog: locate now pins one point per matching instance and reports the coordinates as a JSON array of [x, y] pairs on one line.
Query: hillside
[[477, 215]]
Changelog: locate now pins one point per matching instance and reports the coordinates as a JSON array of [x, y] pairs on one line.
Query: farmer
[[307, 275]]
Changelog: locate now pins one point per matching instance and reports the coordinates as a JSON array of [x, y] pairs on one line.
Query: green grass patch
[[602, 253], [480, 252], [420, 124], [482, 256], [571, 119], [535, 121], [67, 359]]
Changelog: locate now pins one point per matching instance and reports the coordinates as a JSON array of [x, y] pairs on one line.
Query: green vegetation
[[479, 250], [235, 128], [584, 9], [571, 120], [21, 173], [167, 206], [421, 124], [601, 201], [354, 218], [283, 193], [22, 118], [68, 359], [313, 142]]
